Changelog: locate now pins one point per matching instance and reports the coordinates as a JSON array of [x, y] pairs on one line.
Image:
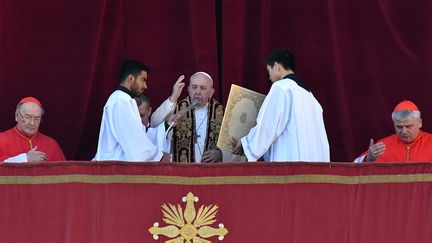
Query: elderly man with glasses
[[24, 142]]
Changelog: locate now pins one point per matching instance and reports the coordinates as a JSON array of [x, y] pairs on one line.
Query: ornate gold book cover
[[240, 116]]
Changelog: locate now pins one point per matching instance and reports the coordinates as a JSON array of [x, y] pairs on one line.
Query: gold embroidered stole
[[184, 134]]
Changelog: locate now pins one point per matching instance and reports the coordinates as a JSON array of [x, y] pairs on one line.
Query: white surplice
[[157, 136], [122, 135], [290, 127]]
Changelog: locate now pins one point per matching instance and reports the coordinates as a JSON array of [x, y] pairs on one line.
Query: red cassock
[[420, 150], [13, 143]]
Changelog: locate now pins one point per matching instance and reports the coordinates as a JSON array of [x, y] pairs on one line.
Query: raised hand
[[177, 89], [36, 156], [374, 151]]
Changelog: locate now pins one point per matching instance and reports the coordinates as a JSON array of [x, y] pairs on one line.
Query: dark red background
[[360, 58]]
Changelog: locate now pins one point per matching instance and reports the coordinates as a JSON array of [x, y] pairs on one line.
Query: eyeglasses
[[28, 118]]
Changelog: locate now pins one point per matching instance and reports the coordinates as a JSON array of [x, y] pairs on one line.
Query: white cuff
[[247, 152], [20, 158], [360, 159]]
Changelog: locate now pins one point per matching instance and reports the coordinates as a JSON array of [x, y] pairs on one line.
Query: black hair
[[131, 67], [282, 56]]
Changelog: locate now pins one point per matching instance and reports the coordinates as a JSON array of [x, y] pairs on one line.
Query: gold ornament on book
[[190, 226]]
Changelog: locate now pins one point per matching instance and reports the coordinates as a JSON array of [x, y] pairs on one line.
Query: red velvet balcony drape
[[360, 58], [257, 202]]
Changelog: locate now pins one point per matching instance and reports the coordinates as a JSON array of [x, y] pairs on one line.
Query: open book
[[240, 116]]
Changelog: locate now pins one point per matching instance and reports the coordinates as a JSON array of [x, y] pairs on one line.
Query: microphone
[[190, 107]]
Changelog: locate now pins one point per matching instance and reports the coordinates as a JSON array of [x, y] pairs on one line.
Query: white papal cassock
[[290, 127], [122, 135]]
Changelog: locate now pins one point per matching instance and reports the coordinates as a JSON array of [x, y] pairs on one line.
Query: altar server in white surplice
[[122, 136], [155, 134], [290, 125]]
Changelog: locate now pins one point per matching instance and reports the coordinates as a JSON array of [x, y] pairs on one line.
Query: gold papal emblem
[[190, 226]]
